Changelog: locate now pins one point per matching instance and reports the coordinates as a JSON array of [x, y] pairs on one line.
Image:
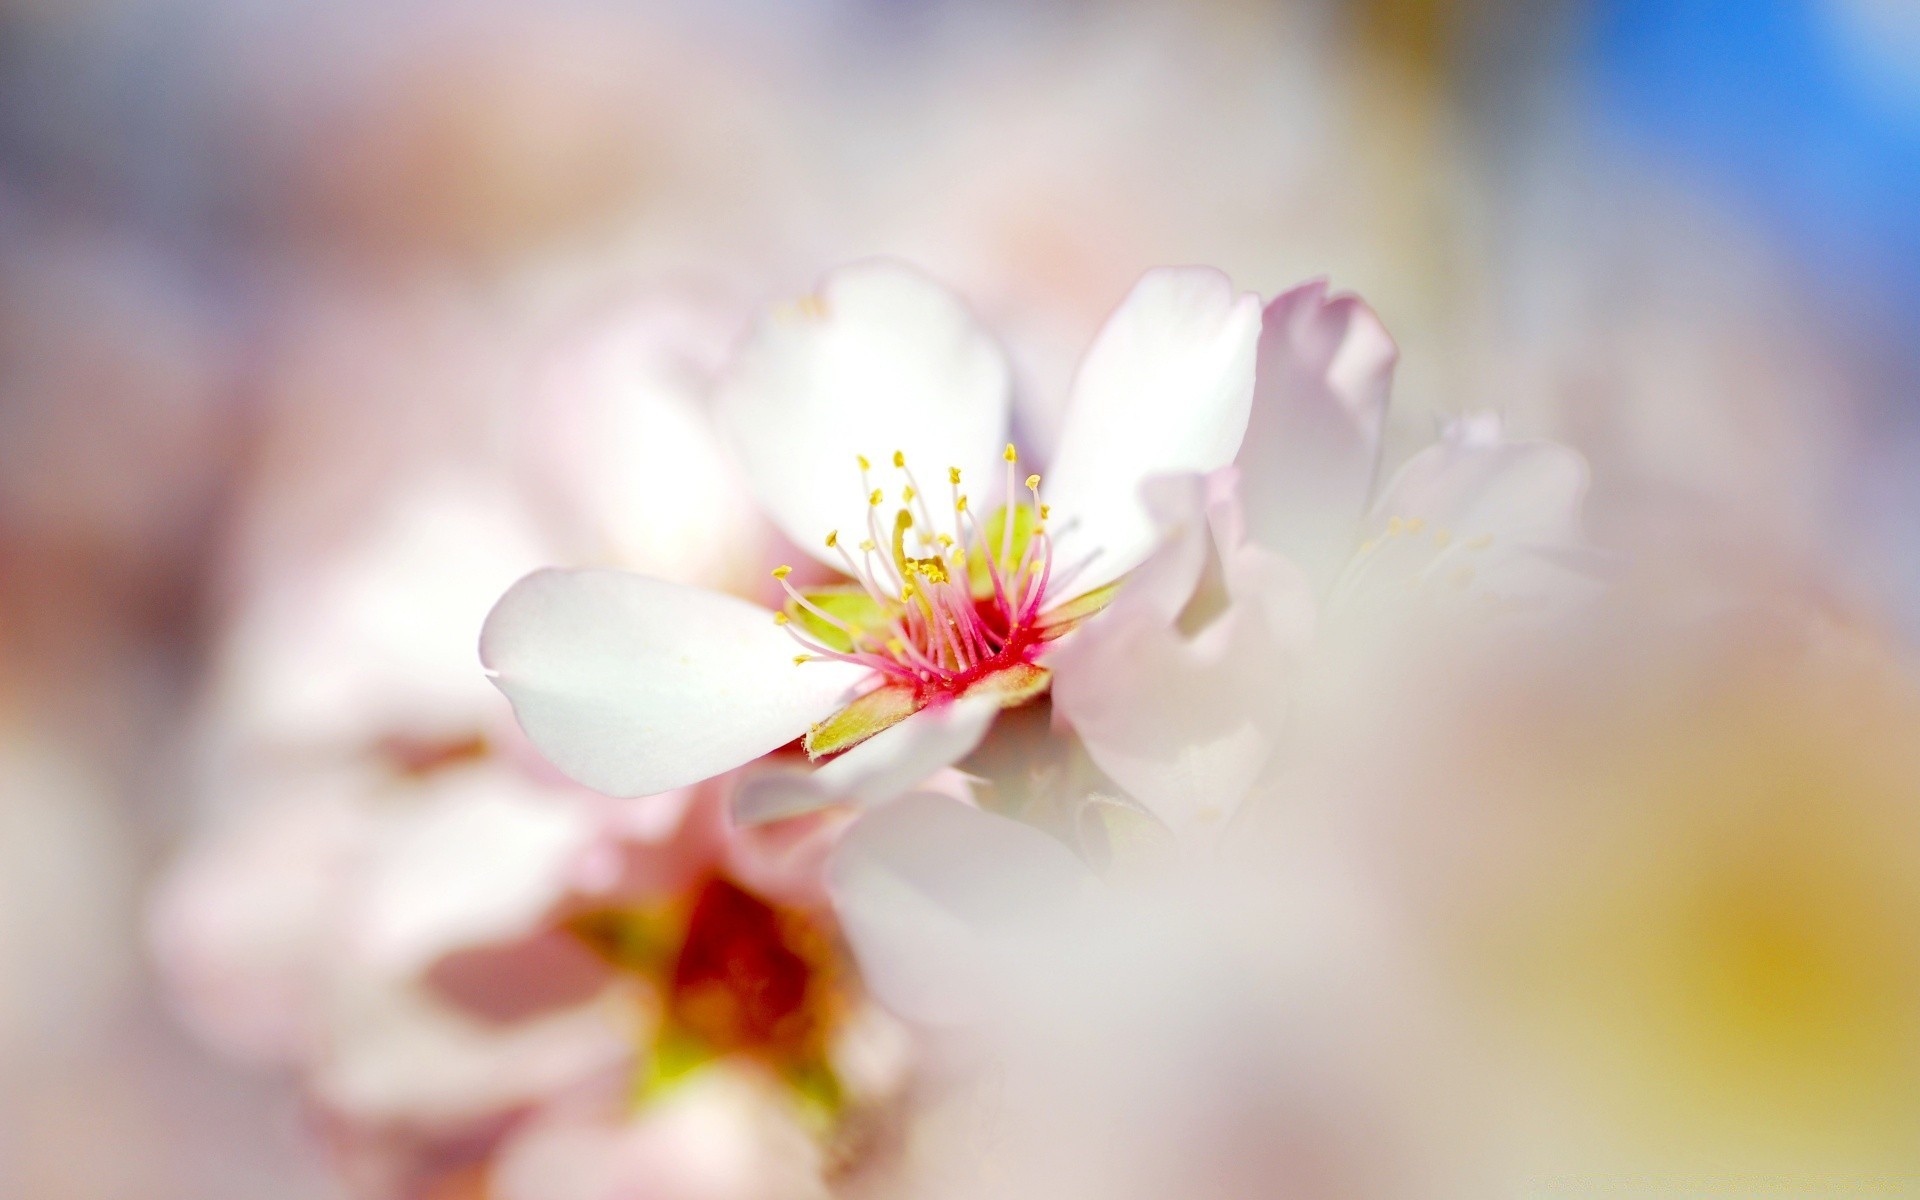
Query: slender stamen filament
[[854, 635], [1006, 524], [915, 493]]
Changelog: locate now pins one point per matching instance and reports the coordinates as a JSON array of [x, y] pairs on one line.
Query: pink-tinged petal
[[634, 686], [619, 435], [880, 360], [1180, 688], [548, 970], [1165, 388], [785, 862], [243, 925], [1313, 441], [1476, 517], [395, 1052], [480, 858], [1476, 481], [725, 1134], [878, 769], [939, 899]]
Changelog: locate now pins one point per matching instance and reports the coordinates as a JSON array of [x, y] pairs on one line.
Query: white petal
[[482, 857], [620, 432], [1475, 481], [882, 359], [1179, 696], [1472, 518], [725, 1133], [1165, 388], [938, 898], [1313, 441], [375, 635], [886, 765], [243, 927], [635, 686], [394, 1053]]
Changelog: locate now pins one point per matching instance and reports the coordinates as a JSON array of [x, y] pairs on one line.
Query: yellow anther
[[1046, 510], [864, 464], [875, 498], [833, 539], [946, 539], [812, 306], [1442, 537], [1395, 526], [1416, 524], [907, 494], [867, 546], [1010, 454], [781, 618], [960, 505], [1033, 483], [899, 458], [781, 572], [802, 658], [953, 476], [1480, 543]]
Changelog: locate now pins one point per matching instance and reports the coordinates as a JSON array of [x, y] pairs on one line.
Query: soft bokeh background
[[272, 270]]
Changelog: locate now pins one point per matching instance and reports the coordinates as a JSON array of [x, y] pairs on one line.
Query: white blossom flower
[[1184, 687], [948, 602]]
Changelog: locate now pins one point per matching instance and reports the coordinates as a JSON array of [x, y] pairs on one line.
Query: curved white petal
[[481, 857], [723, 1134], [1313, 440], [1476, 517], [1165, 388], [1476, 481], [395, 1054], [886, 765], [635, 686], [881, 360], [1179, 689], [938, 899]]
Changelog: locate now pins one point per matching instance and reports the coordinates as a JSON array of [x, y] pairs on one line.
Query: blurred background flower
[[319, 324]]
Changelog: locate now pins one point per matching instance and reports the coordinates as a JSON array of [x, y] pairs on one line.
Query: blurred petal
[[936, 897], [483, 857], [1479, 515], [1313, 440], [881, 360], [1476, 480], [878, 769], [634, 685], [1165, 388], [620, 433], [724, 1135], [394, 1052], [1179, 689], [241, 926]]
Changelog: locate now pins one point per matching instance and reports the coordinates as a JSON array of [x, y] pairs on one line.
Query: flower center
[[938, 604]]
